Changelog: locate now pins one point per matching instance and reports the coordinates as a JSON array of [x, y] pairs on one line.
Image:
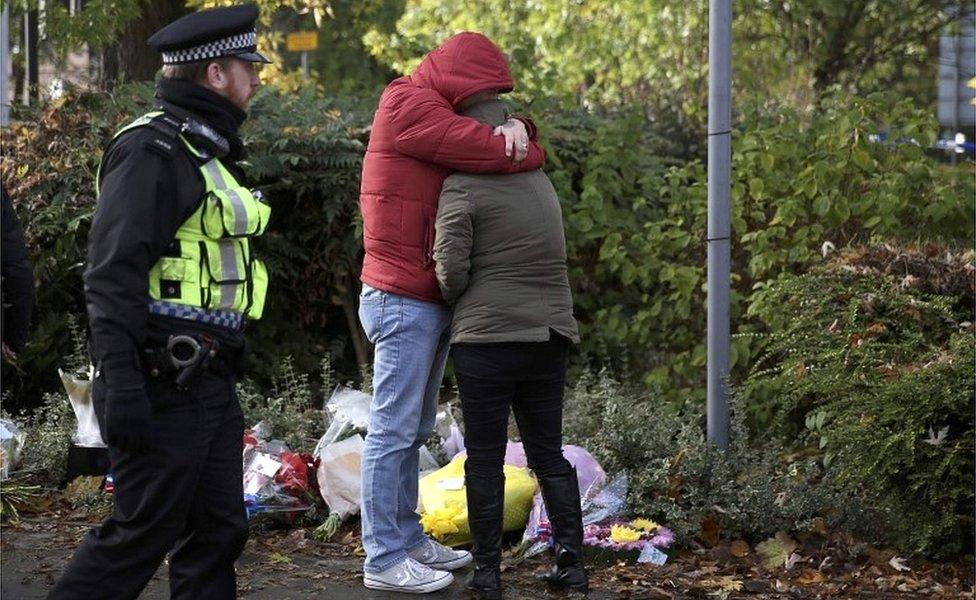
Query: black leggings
[[529, 377]]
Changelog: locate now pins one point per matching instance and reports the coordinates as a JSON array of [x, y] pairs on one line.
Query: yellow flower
[[623, 535], [644, 525], [440, 521]]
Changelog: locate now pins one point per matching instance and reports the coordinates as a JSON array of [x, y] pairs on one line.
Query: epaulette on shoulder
[[165, 139]]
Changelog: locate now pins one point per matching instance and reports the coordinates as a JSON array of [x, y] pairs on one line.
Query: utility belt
[[185, 356]]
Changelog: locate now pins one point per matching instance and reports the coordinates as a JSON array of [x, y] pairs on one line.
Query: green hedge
[[636, 231]]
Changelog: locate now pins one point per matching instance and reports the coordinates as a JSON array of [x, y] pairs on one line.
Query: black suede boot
[[486, 501], [561, 494]]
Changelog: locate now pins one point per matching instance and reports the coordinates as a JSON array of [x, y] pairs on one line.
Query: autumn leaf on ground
[[879, 558], [898, 563], [775, 551], [710, 532], [791, 560], [81, 487], [739, 549], [726, 583], [810, 577]]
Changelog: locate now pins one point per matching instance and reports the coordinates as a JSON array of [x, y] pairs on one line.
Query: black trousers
[[184, 495], [529, 377]]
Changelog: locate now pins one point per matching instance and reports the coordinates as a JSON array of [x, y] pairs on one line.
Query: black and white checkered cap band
[[227, 46]]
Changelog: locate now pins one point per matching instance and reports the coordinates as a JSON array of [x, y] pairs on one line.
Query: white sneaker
[[409, 577], [439, 556]]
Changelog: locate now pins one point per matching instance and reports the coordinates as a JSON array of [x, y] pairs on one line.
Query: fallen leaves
[[792, 560], [710, 532], [897, 563], [845, 568], [739, 549], [81, 488], [810, 577], [725, 583], [776, 551]]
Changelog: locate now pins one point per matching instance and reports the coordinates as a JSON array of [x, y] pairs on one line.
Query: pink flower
[[663, 538]]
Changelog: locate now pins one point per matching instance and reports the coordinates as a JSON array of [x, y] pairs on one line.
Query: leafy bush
[[872, 369], [305, 154], [50, 426], [676, 476], [292, 409], [857, 414], [49, 429], [636, 231], [49, 165]]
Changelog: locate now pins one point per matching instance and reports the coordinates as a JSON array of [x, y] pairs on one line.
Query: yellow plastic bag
[[444, 506]]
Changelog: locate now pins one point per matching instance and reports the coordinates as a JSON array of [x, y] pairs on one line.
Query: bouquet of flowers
[[607, 536], [276, 480], [619, 539]]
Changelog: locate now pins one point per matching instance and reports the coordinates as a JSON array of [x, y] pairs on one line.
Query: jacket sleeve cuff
[[530, 127], [121, 371]]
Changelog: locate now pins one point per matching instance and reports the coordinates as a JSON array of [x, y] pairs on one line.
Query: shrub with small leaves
[[49, 429], [291, 408], [676, 476], [870, 368]]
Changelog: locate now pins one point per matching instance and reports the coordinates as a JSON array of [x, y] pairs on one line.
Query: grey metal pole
[[31, 75], [5, 66], [955, 92], [719, 216]]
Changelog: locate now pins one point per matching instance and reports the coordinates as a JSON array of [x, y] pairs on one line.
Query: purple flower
[[663, 538]]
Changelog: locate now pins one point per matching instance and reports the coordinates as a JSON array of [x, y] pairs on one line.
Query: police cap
[[209, 34]]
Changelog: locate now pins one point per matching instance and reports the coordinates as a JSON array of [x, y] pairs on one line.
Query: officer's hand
[[127, 408], [127, 414]]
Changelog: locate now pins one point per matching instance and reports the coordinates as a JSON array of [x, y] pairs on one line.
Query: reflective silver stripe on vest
[[240, 213], [228, 271]]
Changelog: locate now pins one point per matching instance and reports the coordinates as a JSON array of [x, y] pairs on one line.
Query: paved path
[[31, 559]]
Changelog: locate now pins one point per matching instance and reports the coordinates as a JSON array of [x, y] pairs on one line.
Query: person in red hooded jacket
[[417, 140]]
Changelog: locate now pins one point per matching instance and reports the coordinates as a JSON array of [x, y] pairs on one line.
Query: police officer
[[170, 280], [17, 291]]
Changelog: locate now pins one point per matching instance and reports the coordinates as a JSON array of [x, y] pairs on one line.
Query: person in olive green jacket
[[500, 260]]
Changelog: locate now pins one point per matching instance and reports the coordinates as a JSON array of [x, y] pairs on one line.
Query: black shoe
[[486, 502], [485, 582], [561, 494]]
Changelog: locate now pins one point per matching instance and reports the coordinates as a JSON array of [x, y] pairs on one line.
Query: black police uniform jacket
[[150, 185]]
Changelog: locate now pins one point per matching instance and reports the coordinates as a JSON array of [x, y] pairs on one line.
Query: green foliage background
[[849, 435]]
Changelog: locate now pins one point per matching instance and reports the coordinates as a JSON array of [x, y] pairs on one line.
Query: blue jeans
[[411, 339]]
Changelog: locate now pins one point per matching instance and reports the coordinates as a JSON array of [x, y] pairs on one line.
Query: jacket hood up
[[465, 64]]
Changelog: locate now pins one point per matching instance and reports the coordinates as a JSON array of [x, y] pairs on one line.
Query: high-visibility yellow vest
[[210, 264]]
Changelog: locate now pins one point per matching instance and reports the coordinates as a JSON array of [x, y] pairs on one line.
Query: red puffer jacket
[[416, 141]]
